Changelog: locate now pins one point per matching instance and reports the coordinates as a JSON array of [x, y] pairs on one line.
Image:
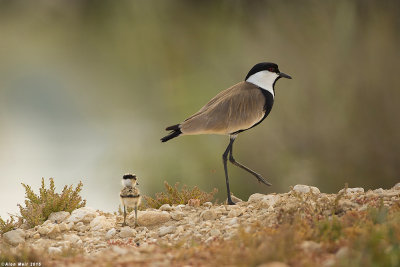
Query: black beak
[[284, 75]]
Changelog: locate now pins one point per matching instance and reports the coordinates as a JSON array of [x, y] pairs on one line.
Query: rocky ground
[[92, 237]]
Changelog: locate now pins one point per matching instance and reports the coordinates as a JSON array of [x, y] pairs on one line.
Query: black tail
[[176, 131]]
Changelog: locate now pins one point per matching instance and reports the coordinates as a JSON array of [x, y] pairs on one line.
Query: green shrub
[[173, 195], [38, 207]]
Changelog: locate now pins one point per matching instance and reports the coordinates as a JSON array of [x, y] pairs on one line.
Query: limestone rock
[[264, 200], [127, 232], [165, 207], [396, 186], [100, 223], [177, 216], [149, 218], [310, 246], [111, 233], [73, 238], [355, 190], [300, 188], [208, 215], [54, 250], [215, 232], [49, 229], [207, 204], [273, 264], [58, 217], [14, 237], [85, 215], [235, 212], [164, 230]]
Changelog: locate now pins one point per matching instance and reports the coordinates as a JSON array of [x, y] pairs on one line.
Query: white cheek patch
[[127, 182], [264, 79]]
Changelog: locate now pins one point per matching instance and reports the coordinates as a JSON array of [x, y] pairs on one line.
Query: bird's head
[[265, 75], [129, 180]]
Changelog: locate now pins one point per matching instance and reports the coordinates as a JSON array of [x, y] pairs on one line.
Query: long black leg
[[225, 159], [231, 159]]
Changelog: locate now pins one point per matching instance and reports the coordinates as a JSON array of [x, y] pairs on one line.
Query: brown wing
[[236, 108]]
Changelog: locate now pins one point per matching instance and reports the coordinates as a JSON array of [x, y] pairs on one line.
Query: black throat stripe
[[129, 196], [269, 102]]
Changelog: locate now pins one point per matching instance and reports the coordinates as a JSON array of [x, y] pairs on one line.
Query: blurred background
[[87, 88]]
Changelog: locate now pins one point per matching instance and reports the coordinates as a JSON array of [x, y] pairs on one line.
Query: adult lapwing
[[235, 110]]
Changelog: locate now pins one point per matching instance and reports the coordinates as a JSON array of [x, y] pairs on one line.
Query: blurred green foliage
[[104, 78]]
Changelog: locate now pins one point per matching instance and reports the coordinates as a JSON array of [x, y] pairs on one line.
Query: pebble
[[215, 232], [58, 217], [73, 238], [100, 223], [208, 215], [396, 186], [177, 216], [85, 215], [54, 250], [150, 218], [164, 230], [355, 190], [306, 189], [165, 207], [127, 232], [111, 233]]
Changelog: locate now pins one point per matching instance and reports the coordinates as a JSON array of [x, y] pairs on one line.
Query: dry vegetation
[[38, 207], [173, 195]]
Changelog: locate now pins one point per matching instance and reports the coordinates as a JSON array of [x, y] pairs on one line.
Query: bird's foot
[[230, 202], [262, 180]]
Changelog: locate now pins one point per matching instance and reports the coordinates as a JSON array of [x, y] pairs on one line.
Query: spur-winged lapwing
[[130, 195], [235, 110]]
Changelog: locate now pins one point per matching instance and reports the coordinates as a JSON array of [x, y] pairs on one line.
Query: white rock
[[164, 230], [208, 215], [215, 232], [64, 227], [73, 238], [54, 250], [51, 230], [207, 204], [85, 215], [58, 217], [235, 212], [149, 218], [396, 186], [14, 237], [177, 216], [310, 246], [233, 221], [111, 233], [119, 250], [255, 197], [165, 207], [265, 200], [306, 189], [342, 252], [379, 191], [354, 190], [100, 223], [127, 232]]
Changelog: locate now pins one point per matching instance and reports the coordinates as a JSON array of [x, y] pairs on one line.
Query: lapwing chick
[[233, 111], [130, 195]]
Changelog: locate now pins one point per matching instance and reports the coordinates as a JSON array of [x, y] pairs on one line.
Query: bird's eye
[[271, 69]]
